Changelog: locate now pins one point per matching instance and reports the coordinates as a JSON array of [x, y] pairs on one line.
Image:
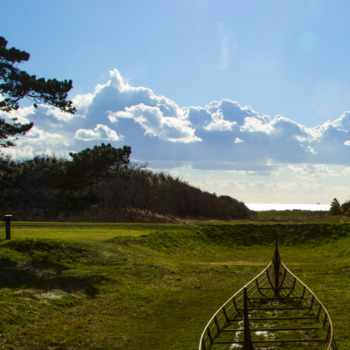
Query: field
[[149, 286]]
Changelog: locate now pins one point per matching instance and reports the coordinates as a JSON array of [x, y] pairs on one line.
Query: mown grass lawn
[[128, 286]]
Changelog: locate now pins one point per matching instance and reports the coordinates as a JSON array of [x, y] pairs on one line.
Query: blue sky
[[246, 98]]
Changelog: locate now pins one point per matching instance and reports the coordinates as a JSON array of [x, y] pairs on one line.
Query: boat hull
[[275, 310]]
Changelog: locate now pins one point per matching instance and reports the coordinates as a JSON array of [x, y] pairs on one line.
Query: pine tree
[[16, 84], [335, 208]]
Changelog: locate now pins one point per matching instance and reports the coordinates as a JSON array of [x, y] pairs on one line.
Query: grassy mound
[[152, 286], [246, 235]]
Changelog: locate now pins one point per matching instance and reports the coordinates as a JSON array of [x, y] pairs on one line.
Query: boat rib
[[275, 310]]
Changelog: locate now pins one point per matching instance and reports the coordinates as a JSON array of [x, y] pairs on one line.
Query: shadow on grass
[[46, 276], [42, 271]]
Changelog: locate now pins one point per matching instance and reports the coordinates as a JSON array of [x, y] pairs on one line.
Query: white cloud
[[220, 135], [39, 136], [223, 147], [58, 114], [253, 124], [25, 152], [81, 102], [101, 132], [199, 117], [219, 124], [311, 149], [287, 184], [151, 119], [21, 115]]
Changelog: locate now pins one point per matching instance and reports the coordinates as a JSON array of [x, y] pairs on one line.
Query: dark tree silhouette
[[92, 164], [16, 84], [335, 208], [101, 183]]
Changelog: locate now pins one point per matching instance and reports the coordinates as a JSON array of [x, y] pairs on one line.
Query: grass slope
[[120, 286]]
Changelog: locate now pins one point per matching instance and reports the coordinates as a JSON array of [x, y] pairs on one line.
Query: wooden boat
[[275, 310]]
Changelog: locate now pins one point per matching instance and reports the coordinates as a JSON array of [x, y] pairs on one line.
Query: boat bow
[[275, 310]]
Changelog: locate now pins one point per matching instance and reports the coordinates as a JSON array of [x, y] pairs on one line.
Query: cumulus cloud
[[21, 115], [155, 123], [101, 132], [220, 135], [256, 124], [218, 123]]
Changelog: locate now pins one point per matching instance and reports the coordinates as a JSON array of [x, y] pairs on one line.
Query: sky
[[244, 98]]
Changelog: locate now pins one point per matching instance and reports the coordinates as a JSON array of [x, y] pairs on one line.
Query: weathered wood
[[285, 310]]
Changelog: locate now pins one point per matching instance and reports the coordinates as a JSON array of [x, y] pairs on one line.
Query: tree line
[[102, 183], [98, 183]]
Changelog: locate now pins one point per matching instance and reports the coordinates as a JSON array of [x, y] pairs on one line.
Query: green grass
[[139, 286], [80, 231]]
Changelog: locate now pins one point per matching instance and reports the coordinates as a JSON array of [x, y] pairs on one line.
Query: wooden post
[[248, 345], [7, 220], [276, 265]]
